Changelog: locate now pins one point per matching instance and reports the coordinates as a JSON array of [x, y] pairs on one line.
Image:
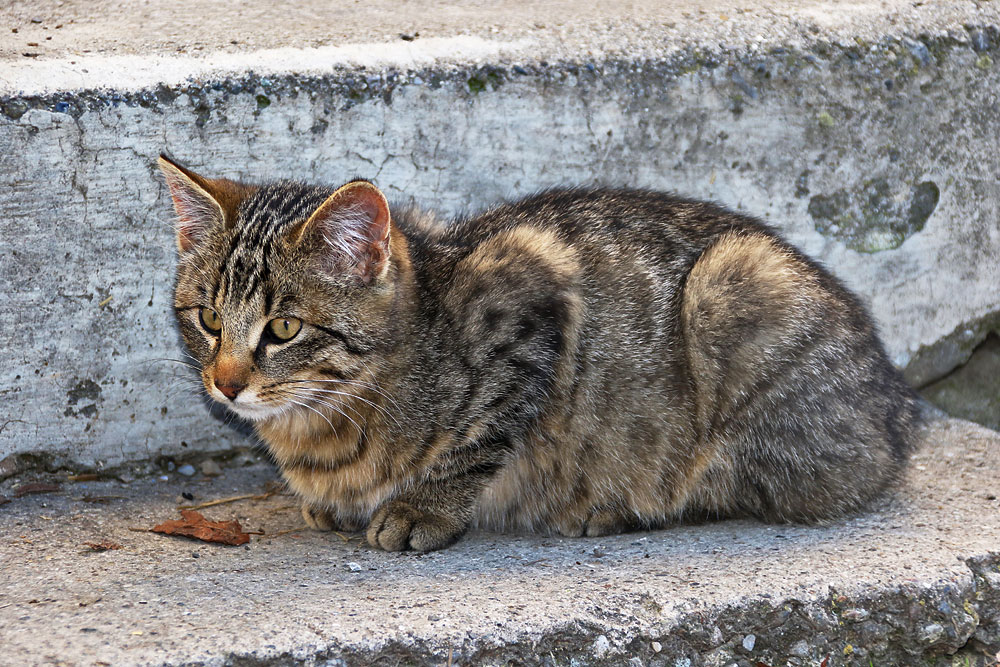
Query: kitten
[[580, 361]]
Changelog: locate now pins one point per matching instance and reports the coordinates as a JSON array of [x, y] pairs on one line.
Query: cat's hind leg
[[791, 382]]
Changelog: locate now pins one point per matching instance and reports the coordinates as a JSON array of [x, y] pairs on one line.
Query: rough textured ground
[[58, 45], [914, 580], [561, 28]]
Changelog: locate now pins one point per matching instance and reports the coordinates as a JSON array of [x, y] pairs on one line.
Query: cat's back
[[598, 216]]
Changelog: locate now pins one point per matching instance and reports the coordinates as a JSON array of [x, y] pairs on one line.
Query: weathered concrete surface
[[876, 154], [910, 583]]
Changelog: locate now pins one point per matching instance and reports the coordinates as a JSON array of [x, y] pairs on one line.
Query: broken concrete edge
[[47, 467], [933, 362], [907, 624], [897, 57]]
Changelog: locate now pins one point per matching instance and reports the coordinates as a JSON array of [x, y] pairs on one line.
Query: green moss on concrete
[[879, 214]]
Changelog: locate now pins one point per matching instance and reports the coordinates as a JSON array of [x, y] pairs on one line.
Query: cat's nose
[[230, 390]]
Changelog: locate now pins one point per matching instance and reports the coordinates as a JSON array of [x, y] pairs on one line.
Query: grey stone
[[210, 468], [932, 633], [187, 470], [972, 391], [855, 615], [799, 649], [980, 39]]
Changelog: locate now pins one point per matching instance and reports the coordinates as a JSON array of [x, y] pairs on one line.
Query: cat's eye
[[284, 328], [210, 320]]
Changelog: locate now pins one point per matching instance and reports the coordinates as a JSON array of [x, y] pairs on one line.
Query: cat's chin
[[255, 413]]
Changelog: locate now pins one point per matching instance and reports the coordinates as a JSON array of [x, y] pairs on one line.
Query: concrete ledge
[[868, 135], [913, 582]]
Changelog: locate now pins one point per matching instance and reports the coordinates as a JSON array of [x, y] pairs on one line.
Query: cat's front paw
[[318, 517], [600, 522], [397, 526]]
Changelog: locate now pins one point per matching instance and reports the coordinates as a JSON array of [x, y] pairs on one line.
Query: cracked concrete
[[911, 582]]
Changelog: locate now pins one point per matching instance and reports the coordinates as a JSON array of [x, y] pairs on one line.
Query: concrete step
[[865, 131], [913, 582]]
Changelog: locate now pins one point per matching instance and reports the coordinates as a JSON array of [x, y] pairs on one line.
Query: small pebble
[[187, 470], [749, 642], [195, 554], [354, 567], [171, 466], [980, 40], [657, 647], [210, 468], [187, 496], [164, 478]]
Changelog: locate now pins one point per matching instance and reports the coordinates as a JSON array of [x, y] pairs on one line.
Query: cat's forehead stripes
[[262, 220]]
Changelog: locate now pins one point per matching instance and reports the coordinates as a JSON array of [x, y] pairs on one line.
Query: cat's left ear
[[353, 226]]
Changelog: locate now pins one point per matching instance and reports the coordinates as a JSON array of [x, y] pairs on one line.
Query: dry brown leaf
[[103, 545], [193, 524]]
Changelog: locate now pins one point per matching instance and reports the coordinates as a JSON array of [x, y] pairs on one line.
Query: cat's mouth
[[248, 405]]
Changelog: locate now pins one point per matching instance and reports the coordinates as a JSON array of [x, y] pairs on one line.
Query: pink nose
[[230, 390]]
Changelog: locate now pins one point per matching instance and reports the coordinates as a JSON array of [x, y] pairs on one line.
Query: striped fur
[[581, 361]]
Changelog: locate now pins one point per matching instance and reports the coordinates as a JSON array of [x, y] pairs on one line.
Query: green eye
[[210, 320], [284, 328]]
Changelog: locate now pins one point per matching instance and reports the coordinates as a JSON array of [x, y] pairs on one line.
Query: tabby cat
[[584, 361]]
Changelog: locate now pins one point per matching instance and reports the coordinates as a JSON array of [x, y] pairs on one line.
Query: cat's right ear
[[198, 212], [353, 227]]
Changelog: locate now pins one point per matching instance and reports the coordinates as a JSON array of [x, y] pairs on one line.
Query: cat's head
[[285, 292]]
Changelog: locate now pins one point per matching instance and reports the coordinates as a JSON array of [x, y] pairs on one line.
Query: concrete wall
[[880, 160]]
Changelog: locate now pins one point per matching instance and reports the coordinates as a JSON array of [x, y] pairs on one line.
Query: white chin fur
[[254, 412]]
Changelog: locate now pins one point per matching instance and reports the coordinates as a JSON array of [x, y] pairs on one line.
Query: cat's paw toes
[[570, 526], [398, 526], [600, 522], [606, 522], [318, 517]]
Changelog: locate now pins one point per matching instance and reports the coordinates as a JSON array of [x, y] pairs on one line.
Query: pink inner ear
[[355, 223]]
